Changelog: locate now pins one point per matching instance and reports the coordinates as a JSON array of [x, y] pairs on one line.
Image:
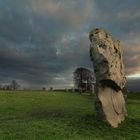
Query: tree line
[[12, 86]]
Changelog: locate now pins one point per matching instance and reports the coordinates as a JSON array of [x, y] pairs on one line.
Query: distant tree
[[7, 87], [51, 89], [14, 85], [83, 80], [43, 88]]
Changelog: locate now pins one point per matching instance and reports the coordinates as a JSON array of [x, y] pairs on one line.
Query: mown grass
[[34, 115]]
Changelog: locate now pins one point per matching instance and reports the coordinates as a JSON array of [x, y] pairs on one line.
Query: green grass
[[34, 115]]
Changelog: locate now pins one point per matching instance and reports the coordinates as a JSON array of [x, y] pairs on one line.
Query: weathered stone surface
[[106, 54]]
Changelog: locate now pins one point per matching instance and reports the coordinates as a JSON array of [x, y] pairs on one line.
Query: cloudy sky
[[43, 41]]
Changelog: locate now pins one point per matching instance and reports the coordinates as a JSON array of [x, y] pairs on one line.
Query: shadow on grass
[[69, 117], [132, 122], [83, 124], [48, 114], [90, 126], [74, 118]]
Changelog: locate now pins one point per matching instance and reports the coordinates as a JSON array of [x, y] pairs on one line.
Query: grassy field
[[42, 115]]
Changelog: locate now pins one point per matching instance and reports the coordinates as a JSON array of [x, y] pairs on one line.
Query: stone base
[[110, 106]]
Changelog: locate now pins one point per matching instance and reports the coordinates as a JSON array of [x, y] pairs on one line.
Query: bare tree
[[14, 85], [83, 79]]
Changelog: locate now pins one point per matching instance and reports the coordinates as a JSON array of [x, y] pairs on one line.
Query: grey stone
[[106, 54]]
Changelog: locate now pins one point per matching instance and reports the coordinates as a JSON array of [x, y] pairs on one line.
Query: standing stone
[[106, 55]]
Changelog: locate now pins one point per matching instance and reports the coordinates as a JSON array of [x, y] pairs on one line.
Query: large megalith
[[106, 55]]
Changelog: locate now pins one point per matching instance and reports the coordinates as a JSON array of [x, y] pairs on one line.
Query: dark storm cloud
[[120, 17], [43, 41]]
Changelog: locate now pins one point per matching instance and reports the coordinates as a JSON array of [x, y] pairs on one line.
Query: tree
[[14, 85], [83, 80], [43, 88]]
